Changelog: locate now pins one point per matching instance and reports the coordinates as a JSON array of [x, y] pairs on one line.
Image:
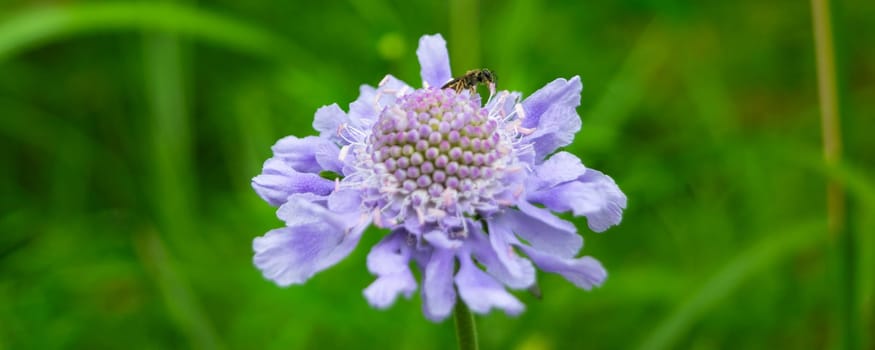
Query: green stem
[[830, 117], [466, 329], [829, 109]]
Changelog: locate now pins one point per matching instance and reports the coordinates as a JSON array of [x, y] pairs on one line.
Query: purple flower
[[467, 192]]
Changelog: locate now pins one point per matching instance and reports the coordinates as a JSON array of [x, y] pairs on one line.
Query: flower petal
[[327, 155], [584, 272], [593, 195], [383, 292], [515, 271], [300, 153], [364, 107], [313, 241], [345, 201], [480, 247], [552, 112], [389, 90], [481, 292], [559, 92], [390, 255], [328, 120], [301, 209], [438, 294], [440, 239], [544, 231], [278, 181], [363, 112], [389, 260], [560, 167], [434, 60]]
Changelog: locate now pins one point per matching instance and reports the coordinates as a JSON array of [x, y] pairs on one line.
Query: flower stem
[[829, 109], [466, 329], [848, 323]]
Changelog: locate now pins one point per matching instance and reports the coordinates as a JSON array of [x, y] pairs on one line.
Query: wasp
[[471, 79]]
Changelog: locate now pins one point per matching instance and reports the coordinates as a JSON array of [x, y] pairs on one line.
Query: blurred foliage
[[129, 132]]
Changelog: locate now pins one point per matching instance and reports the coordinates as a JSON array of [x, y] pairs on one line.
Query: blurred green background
[[129, 132]]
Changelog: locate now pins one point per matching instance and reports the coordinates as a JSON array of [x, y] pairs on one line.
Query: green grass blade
[[178, 295], [173, 177], [625, 90], [773, 249], [31, 28], [862, 191]]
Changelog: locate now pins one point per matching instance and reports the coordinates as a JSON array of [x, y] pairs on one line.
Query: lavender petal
[[481, 292], [389, 260], [363, 108], [544, 231], [328, 157], [440, 239], [559, 92], [312, 242], [482, 250], [438, 294], [514, 268], [328, 120], [363, 112], [584, 272], [300, 153], [551, 112], [278, 181], [560, 167], [434, 60], [593, 195]]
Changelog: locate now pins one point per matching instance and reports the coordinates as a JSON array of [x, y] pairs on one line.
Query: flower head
[[457, 183]]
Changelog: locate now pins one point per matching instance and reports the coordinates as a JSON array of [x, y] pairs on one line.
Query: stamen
[[518, 108], [525, 131], [378, 218], [344, 151], [384, 81]]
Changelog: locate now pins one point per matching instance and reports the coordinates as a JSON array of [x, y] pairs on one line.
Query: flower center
[[437, 152]]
